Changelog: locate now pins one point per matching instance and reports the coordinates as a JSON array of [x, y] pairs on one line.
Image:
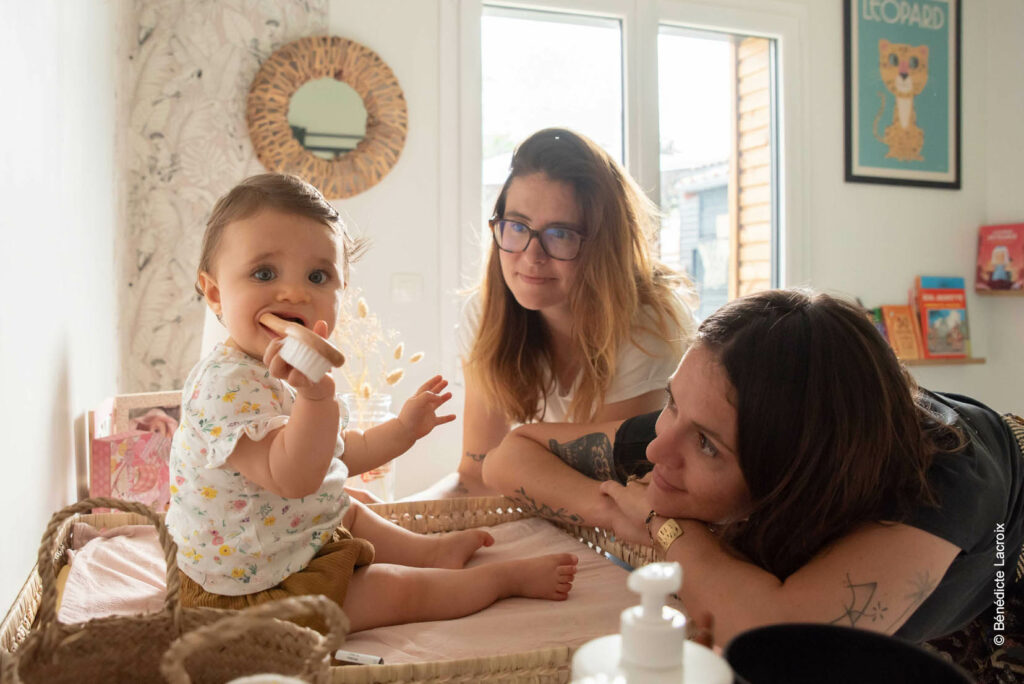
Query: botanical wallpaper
[[183, 142]]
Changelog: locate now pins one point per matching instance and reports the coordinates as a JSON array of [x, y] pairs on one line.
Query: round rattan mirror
[[308, 59]]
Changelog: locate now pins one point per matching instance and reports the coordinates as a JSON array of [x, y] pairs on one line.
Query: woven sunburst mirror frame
[[307, 59]]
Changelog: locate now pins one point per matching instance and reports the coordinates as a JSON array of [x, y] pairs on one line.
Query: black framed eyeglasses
[[562, 244]]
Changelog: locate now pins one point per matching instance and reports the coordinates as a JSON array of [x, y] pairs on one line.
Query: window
[[522, 93], [717, 187]]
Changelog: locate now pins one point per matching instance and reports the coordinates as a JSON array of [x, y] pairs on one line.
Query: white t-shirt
[[235, 537], [637, 371]]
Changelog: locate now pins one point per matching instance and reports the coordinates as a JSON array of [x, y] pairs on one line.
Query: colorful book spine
[[901, 331], [1000, 258], [941, 304]]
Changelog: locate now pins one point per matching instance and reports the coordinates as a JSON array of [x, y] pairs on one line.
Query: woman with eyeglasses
[[574, 320]]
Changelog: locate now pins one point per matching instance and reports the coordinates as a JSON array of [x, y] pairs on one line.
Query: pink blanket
[[120, 571]]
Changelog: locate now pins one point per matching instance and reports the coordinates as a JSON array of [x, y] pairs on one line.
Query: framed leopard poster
[[902, 74]]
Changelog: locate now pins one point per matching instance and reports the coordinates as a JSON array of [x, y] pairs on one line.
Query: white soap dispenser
[[652, 647]]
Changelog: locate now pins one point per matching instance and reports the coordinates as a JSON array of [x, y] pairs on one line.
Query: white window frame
[[460, 112]]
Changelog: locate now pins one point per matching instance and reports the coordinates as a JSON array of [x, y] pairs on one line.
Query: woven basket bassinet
[[109, 649], [543, 666]]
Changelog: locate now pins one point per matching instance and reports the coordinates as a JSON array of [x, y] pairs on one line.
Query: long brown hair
[[833, 431], [617, 278], [283, 192]]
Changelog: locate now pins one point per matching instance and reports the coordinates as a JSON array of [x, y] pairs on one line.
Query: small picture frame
[[902, 87], [130, 411], [128, 447]]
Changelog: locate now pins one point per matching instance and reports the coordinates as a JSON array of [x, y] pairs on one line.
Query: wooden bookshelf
[[944, 362]]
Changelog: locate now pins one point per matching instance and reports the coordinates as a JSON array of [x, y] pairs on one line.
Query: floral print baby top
[[235, 537]]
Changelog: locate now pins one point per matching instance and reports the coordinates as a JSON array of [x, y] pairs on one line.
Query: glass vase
[[364, 413]]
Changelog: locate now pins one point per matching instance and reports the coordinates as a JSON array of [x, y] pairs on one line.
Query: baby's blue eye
[[263, 274], [318, 277]]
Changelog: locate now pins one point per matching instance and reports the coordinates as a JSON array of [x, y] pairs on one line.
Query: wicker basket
[[109, 649], [541, 666], [253, 642]]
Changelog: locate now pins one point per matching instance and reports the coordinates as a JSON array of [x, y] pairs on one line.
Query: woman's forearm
[[451, 486], [541, 482]]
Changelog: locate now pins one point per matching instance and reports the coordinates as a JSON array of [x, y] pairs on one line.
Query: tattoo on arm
[[530, 505], [859, 605], [479, 458], [590, 454], [921, 588], [862, 603]]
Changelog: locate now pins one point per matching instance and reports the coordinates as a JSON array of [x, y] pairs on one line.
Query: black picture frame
[[896, 131]]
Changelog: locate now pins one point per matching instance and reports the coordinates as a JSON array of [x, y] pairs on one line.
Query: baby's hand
[[418, 414], [279, 368]]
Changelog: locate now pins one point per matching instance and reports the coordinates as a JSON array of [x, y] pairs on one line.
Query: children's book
[[901, 331], [1000, 258], [941, 305]]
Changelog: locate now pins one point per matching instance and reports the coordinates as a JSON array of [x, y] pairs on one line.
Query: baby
[[258, 466]]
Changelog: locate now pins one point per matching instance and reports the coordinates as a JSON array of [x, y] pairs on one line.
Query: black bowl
[[828, 654]]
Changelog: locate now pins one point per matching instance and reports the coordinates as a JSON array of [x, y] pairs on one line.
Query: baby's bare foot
[[454, 549], [544, 577]]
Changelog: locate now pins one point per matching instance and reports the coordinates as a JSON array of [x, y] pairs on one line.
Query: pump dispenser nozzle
[[652, 633], [654, 582]]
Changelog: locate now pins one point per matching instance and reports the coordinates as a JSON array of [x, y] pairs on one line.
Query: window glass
[[715, 122], [542, 70], [693, 120]]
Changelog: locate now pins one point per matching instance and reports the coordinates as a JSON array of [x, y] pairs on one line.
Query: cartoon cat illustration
[[904, 71]]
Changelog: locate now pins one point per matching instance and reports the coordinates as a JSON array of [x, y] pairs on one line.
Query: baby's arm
[[381, 443], [293, 460]]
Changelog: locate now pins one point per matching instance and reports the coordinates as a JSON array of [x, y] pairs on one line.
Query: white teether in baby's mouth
[[304, 359], [303, 349]]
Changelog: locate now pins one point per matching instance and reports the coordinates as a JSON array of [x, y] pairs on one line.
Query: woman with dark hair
[[574, 320], [800, 475]]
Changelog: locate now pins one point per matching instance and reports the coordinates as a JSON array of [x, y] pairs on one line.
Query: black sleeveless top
[[980, 491]]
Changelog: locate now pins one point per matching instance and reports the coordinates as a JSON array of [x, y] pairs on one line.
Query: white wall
[[871, 240], [401, 214], [57, 329], [1003, 65]]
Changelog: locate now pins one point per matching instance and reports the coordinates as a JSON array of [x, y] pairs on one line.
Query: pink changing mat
[[598, 596], [122, 571]]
